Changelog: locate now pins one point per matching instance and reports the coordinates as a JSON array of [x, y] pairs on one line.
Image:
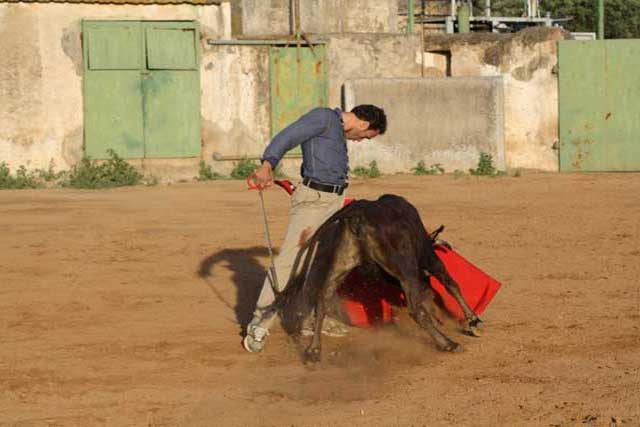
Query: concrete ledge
[[449, 121]]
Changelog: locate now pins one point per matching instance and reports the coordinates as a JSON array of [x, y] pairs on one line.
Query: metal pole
[[412, 17], [600, 19], [487, 8]]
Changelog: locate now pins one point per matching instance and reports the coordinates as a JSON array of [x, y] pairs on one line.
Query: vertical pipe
[[487, 8], [454, 10], [412, 17], [600, 19]]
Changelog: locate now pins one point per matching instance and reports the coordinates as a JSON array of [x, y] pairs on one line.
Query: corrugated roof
[[116, 2]]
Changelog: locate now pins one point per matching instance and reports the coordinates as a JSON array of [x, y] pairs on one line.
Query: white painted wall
[[41, 104]]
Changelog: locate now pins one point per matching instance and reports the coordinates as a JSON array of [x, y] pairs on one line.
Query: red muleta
[[370, 303]]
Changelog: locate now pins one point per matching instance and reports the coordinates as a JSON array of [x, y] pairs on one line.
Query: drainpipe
[[487, 8], [464, 14], [600, 19], [412, 17]]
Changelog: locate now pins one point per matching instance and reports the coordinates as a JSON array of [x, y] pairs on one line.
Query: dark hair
[[372, 114]]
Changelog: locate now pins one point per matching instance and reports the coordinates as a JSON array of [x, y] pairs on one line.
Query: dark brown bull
[[387, 233]]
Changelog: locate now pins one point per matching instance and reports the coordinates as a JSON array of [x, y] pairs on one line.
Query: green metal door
[[172, 91], [599, 100], [142, 89], [298, 83], [112, 87]]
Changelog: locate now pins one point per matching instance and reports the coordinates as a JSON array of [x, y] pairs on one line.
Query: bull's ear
[[434, 234]]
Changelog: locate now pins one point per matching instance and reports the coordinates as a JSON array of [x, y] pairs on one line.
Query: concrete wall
[[449, 121], [527, 62], [270, 18], [356, 56], [41, 108]]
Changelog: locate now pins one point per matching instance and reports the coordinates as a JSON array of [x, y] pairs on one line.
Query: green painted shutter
[[112, 86], [171, 48], [298, 84], [141, 89], [172, 91], [599, 100]]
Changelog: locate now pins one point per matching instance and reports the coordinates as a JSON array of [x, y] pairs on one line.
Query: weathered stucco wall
[[41, 103], [354, 56], [446, 121], [527, 61], [236, 108], [268, 18]]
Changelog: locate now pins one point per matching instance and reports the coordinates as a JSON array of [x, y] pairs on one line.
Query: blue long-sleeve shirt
[[324, 147]]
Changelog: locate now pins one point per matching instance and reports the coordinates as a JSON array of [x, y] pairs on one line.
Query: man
[[322, 133]]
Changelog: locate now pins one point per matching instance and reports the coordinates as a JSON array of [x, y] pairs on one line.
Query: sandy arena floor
[[106, 320]]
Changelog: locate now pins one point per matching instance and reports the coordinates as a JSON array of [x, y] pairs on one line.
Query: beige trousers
[[309, 209]]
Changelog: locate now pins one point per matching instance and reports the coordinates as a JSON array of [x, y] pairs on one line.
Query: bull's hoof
[[474, 328], [312, 355], [453, 347], [473, 332]]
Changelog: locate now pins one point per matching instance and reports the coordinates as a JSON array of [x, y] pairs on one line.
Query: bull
[[386, 233]]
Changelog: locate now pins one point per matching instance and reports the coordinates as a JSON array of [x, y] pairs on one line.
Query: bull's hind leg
[[407, 272], [438, 270], [416, 297], [345, 258]]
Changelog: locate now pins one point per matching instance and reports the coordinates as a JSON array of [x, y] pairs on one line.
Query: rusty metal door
[[599, 105], [141, 89], [298, 81]]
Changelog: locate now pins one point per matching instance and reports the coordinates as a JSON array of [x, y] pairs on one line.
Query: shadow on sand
[[247, 276]]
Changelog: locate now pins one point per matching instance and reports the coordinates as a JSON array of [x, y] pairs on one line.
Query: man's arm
[[306, 127]]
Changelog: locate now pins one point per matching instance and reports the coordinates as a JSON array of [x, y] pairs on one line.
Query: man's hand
[[262, 177]]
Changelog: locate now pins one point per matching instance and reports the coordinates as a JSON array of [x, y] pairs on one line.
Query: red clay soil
[[124, 308]]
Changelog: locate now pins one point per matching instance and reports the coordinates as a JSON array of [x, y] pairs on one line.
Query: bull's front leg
[[473, 324], [313, 353]]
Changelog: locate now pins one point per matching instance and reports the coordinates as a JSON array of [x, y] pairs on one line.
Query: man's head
[[365, 122]]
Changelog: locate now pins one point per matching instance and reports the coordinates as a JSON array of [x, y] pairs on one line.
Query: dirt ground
[[123, 307]]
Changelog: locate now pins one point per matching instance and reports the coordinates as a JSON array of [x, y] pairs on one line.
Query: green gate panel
[[172, 48], [142, 89], [113, 114], [172, 114], [599, 100], [298, 82], [114, 46]]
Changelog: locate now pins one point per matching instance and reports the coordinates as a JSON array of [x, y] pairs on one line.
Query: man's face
[[361, 131]]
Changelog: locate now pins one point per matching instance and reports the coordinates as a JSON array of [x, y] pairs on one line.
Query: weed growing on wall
[[206, 173], [113, 172], [243, 169], [421, 169], [485, 167], [367, 172], [22, 178]]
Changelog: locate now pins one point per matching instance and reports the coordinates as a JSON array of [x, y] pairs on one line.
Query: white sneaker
[[253, 342]]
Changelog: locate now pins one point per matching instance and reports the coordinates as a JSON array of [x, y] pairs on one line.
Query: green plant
[[458, 173], [22, 179], [367, 172], [485, 166], [517, 173], [50, 174], [206, 173], [113, 172], [435, 169], [243, 169]]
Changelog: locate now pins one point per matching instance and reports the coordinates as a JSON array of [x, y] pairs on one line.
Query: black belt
[[327, 188]]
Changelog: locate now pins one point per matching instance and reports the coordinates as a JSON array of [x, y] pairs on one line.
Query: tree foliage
[[622, 17]]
